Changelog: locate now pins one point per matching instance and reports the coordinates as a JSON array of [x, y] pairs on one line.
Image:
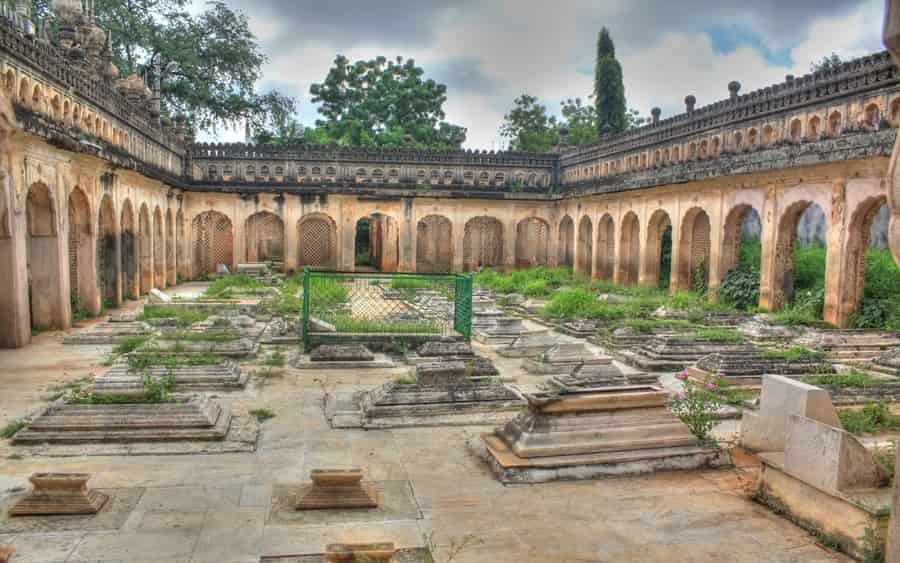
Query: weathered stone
[[236, 347], [850, 346], [580, 328], [586, 377], [354, 552], [563, 358], [253, 268], [766, 429], [446, 349], [318, 325], [583, 434], [746, 366], [673, 352], [57, 494], [6, 553], [157, 296], [123, 381], [887, 363], [109, 332], [336, 488], [341, 353], [222, 270], [441, 374], [529, 346]]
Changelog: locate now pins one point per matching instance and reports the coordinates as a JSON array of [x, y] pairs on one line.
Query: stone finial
[[689, 102], [655, 112], [733, 88]]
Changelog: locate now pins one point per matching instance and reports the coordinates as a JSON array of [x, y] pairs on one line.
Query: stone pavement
[[218, 508]]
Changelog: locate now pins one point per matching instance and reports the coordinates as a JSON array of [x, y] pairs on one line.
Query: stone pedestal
[[336, 488], [57, 494], [355, 552], [563, 358], [343, 356]]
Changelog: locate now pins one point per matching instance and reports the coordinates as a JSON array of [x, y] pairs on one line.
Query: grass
[[650, 325], [205, 336], [185, 316], [736, 396], [852, 379], [886, 457], [871, 419], [346, 323], [141, 362], [223, 287], [719, 334], [262, 415], [275, 359], [405, 381], [794, 354], [129, 344], [10, 429]]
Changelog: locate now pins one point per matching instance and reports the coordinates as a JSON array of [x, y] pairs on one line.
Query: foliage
[[873, 545], [346, 323], [281, 126], [326, 293], [517, 281], [262, 415], [10, 429], [699, 277], [886, 457], [830, 62], [156, 391], [383, 103], [580, 120], [649, 325], [529, 127], [735, 396], [853, 378], [740, 288], [665, 259], [794, 354], [696, 405], [276, 359], [405, 381], [809, 267], [872, 418], [143, 361], [880, 306], [129, 344], [222, 287], [185, 316], [609, 88], [720, 334]]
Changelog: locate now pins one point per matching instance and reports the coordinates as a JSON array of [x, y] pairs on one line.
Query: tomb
[[563, 358], [759, 330], [850, 346], [477, 366], [336, 488], [200, 423], [580, 328], [529, 346], [815, 472], [56, 494], [442, 394], [504, 331], [887, 363], [486, 317], [159, 297], [253, 269], [110, 331], [593, 433], [342, 356], [746, 366], [593, 376], [673, 352], [234, 347], [241, 325], [121, 380]]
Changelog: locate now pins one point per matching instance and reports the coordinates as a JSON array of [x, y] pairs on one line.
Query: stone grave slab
[[111, 516], [887, 363], [504, 331], [593, 433], [580, 328], [593, 376], [109, 332], [745, 366], [335, 488], [123, 381], [529, 346], [55, 494], [395, 502], [476, 366], [159, 297], [343, 356], [850, 346], [234, 348], [253, 268], [673, 352], [563, 358]]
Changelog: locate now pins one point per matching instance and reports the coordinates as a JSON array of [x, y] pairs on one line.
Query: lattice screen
[[434, 245], [213, 242], [483, 243], [700, 243], [265, 238], [317, 243], [532, 238]]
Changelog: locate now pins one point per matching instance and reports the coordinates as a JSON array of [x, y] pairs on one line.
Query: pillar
[[769, 259], [15, 331], [836, 266]]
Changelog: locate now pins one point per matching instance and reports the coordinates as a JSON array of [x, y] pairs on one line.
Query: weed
[[129, 344], [719, 334], [262, 415], [405, 381], [276, 359], [872, 418], [10, 429], [872, 546], [852, 379], [185, 316], [794, 354]]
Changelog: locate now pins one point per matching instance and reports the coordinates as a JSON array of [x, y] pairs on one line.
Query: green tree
[[281, 127], [210, 62], [581, 121], [385, 103], [529, 127], [830, 62], [609, 88]]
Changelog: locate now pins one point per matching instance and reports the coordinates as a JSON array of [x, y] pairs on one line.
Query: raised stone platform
[[674, 353], [593, 433], [580, 328], [476, 366], [850, 346], [343, 356], [887, 363], [529, 346], [563, 358], [587, 377], [200, 419], [336, 488], [59, 494], [504, 331], [745, 367], [123, 381], [109, 332], [441, 395], [234, 348]]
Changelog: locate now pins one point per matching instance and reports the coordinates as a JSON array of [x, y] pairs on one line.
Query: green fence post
[[304, 324]]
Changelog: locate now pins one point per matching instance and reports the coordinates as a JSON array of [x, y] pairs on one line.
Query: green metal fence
[[359, 304]]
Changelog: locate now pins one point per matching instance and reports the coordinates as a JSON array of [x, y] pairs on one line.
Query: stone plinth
[[887, 363], [850, 346], [563, 358], [253, 268], [586, 377], [436, 349], [766, 430], [441, 374], [529, 346], [122, 381], [356, 552], [336, 488], [580, 328], [237, 347], [109, 332], [59, 494], [583, 434], [672, 352], [504, 331], [746, 366], [343, 356]]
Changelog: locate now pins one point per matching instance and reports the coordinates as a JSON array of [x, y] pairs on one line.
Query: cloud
[[490, 51]]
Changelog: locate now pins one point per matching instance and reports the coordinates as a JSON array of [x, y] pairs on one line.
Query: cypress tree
[[609, 89]]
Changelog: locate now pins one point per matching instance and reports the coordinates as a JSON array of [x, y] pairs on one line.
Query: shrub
[[874, 417], [740, 288], [699, 280], [809, 266], [262, 415], [852, 379], [129, 344], [696, 406], [794, 354], [185, 316], [569, 304], [10, 429], [721, 334]]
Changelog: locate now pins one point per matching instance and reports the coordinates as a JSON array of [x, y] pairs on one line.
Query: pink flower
[[681, 395], [710, 385], [683, 375]]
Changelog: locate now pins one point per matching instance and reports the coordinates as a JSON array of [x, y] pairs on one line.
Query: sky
[[488, 52]]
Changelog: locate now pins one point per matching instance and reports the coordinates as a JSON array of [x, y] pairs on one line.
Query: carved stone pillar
[[836, 266], [892, 42], [770, 297]]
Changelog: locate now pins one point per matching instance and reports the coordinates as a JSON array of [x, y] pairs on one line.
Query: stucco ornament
[[892, 42]]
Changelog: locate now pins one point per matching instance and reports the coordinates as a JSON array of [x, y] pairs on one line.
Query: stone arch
[[82, 283], [796, 130], [181, 246], [264, 233], [585, 246], [606, 248], [45, 265], [735, 223], [658, 227], [159, 248], [379, 234], [694, 247], [434, 245], [834, 123], [318, 241], [813, 127], [532, 242], [213, 240], [566, 242], [145, 249], [107, 254], [629, 249], [171, 278], [895, 111], [128, 246], [785, 244], [856, 254], [482, 243]]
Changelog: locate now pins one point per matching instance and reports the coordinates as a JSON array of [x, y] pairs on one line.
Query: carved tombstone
[[58, 494], [336, 488]]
